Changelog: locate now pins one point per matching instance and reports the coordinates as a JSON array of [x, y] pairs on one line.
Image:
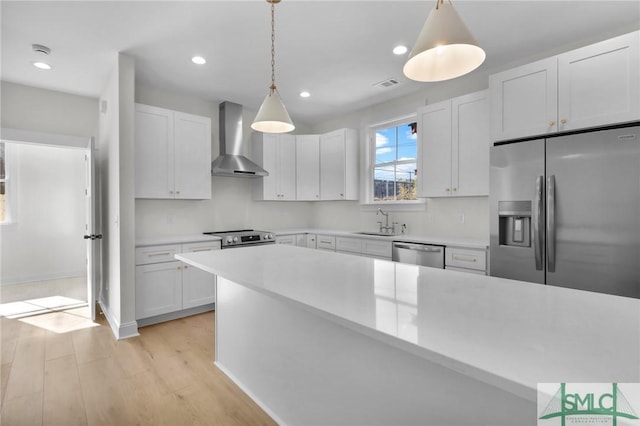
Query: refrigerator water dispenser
[[514, 223]]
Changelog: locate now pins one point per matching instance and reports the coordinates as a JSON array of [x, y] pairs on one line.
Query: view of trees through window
[[394, 170]]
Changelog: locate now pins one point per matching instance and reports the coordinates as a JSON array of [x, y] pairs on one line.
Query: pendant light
[[445, 48], [272, 116]]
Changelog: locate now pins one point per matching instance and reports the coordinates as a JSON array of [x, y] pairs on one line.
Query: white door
[[91, 235], [435, 150]]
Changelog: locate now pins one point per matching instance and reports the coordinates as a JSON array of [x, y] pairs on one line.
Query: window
[[394, 164]]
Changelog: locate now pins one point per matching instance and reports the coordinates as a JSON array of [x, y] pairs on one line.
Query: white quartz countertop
[[471, 243], [510, 334], [176, 239]]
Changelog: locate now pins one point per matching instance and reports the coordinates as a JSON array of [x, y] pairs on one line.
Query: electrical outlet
[[460, 217]]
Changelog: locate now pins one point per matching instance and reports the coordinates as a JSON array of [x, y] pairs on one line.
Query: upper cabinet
[[339, 165], [307, 167], [172, 154], [453, 152], [592, 86], [276, 153]]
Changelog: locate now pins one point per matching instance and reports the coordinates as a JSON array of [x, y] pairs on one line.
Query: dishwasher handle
[[419, 247]]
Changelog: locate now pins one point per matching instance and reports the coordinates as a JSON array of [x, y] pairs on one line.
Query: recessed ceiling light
[[42, 65], [198, 60], [400, 50], [305, 94]]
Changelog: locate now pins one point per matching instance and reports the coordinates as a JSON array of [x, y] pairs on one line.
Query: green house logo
[[586, 407]]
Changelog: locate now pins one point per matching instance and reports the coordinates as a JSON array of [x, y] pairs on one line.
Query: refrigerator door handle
[[538, 224], [551, 223]]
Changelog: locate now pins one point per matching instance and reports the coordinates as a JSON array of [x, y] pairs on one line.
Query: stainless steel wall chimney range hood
[[231, 162]]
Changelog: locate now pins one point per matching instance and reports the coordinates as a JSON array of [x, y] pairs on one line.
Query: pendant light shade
[[445, 48], [272, 116]]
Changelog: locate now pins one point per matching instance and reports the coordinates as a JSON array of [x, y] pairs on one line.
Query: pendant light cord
[[273, 48]]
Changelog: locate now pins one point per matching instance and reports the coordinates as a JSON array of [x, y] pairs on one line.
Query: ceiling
[[337, 50]]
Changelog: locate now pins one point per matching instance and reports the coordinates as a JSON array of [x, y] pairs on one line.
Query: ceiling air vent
[[390, 82]]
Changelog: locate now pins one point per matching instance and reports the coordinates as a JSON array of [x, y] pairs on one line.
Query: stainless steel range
[[244, 238]]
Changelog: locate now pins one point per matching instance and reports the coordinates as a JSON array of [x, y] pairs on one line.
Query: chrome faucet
[[386, 229]]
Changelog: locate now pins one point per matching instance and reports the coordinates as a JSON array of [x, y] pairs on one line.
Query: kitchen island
[[326, 338]]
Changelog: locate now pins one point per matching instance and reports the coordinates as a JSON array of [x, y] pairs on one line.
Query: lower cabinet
[[466, 260], [365, 247], [165, 285]]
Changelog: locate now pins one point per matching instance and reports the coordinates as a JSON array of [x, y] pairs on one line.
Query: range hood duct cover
[[231, 162]]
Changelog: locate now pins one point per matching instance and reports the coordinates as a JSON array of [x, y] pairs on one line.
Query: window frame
[[370, 204]]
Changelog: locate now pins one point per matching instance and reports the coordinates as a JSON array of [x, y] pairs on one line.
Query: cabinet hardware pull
[[455, 189], [202, 249], [447, 190], [159, 254], [464, 258], [563, 121], [178, 268], [551, 123]]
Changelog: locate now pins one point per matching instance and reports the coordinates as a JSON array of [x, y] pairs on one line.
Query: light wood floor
[[165, 376]]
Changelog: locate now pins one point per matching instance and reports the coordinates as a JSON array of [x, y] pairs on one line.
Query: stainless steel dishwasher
[[418, 254]]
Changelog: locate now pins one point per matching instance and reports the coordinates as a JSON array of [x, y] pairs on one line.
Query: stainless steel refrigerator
[[565, 211]]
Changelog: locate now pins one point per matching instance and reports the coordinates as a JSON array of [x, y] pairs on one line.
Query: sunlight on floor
[[57, 314]]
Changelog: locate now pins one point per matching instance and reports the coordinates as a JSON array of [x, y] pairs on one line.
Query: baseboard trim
[[176, 315], [120, 331], [246, 390]]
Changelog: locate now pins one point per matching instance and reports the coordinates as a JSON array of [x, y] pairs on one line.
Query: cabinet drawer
[[466, 258], [326, 242], [377, 248], [157, 254], [195, 247], [289, 240], [351, 245]]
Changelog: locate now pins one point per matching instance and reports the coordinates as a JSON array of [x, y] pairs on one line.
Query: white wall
[[231, 205], [116, 166], [46, 242], [48, 111]]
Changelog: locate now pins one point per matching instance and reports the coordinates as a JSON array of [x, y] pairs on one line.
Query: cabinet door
[[153, 152], [470, 145], [332, 166], [265, 153], [198, 287], [524, 100], [287, 167], [307, 167], [192, 156], [158, 289], [434, 150], [599, 84]]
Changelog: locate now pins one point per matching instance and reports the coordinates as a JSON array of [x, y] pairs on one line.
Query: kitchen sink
[[378, 234]]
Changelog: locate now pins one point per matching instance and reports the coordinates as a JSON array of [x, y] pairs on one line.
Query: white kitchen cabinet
[[592, 86], [339, 165], [453, 149], [276, 153], [349, 245], [166, 286], [307, 167], [599, 84], [326, 242], [377, 248], [302, 240], [172, 154], [466, 260], [289, 240], [158, 289], [311, 241], [198, 286]]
